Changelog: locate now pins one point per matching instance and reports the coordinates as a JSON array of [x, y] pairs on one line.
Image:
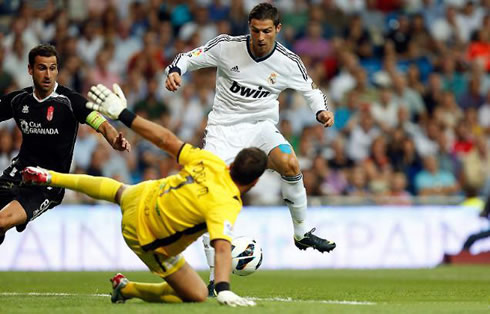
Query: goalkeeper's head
[[248, 166]]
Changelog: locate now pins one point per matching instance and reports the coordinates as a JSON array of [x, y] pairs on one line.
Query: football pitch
[[447, 289]]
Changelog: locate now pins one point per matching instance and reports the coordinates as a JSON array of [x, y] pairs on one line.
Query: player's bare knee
[[197, 295], [202, 295]]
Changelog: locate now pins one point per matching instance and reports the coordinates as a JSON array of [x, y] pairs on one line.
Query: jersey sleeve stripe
[[325, 101], [176, 60], [180, 150], [294, 58], [224, 38]]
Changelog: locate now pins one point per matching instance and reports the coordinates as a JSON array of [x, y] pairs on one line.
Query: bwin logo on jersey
[[248, 92]]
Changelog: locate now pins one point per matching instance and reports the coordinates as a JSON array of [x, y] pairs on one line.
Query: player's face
[[263, 34], [44, 73]]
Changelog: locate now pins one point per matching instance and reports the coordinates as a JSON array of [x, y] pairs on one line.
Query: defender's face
[[44, 73], [263, 36]]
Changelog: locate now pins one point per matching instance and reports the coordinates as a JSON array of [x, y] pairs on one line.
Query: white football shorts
[[226, 141]]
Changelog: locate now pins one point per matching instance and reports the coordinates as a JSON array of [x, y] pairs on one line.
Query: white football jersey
[[247, 88]]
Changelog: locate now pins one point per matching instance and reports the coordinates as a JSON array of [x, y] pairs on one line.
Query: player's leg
[[11, 215], [26, 203], [283, 160], [209, 252], [100, 188], [217, 140], [183, 283]]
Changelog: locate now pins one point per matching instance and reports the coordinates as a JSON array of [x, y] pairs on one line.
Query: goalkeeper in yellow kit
[[160, 218]]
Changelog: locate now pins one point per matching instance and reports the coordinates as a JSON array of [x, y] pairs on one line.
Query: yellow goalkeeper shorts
[[159, 263]]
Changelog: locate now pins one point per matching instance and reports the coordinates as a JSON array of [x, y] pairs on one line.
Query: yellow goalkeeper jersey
[[176, 210]]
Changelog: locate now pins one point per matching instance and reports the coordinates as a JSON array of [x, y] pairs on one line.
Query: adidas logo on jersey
[[248, 92], [235, 69]]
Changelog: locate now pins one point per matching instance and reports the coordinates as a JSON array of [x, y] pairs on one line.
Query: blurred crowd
[[408, 80]]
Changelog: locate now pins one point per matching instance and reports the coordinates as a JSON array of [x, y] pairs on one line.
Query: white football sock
[[209, 251], [294, 194]]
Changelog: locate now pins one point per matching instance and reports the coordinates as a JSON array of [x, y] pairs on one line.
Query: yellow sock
[[151, 292], [100, 188]]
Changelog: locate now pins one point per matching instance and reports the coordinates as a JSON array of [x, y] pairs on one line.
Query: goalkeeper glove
[[107, 102], [227, 297]]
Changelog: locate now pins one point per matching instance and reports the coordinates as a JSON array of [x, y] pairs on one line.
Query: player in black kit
[[48, 115]]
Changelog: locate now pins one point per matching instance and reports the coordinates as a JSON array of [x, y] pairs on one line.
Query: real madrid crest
[[272, 78]]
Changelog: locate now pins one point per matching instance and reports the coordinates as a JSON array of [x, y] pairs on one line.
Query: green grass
[[439, 290]]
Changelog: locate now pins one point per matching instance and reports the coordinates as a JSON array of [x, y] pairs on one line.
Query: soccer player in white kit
[[252, 70]]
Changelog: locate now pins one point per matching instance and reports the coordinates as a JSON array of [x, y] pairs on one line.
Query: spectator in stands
[[378, 168], [150, 60], [447, 29], [334, 18], [401, 35], [152, 107], [476, 165], [367, 93], [201, 24], [472, 98], [420, 35], [414, 81], [385, 112], [362, 136], [355, 34], [91, 42], [373, 21], [345, 79], [357, 187], [426, 142], [340, 161], [313, 44], [434, 181], [407, 97], [125, 45], [397, 194], [447, 112], [102, 72], [484, 114], [452, 80], [16, 60], [463, 142], [84, 147], [409, 163], [345, 113], [331, 182], [433, 92]]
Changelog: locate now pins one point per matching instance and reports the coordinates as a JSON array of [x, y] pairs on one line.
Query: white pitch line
[[278, 299], [275, 299]]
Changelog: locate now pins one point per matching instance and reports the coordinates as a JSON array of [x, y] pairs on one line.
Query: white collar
[[47, 97]]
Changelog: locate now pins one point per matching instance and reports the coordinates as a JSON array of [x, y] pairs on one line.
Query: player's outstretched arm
[[222, 262], [113, 137], [113, 105]]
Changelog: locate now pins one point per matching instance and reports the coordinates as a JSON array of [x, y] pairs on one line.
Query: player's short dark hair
[[43, 50], [249, 164], [265, 11]]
